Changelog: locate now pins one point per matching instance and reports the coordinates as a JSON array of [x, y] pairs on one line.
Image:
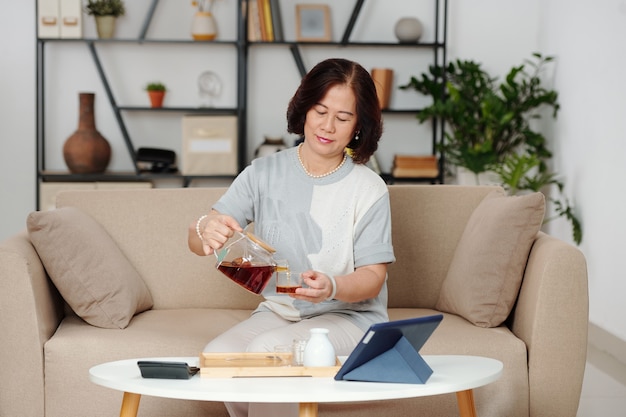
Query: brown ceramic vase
[[86, 151]]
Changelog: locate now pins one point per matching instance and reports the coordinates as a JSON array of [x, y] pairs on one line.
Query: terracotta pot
[[156, 98], [86, 151]]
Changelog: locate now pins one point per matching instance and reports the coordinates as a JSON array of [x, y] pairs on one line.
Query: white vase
[[203, 27], [318, 350], [408, 30]]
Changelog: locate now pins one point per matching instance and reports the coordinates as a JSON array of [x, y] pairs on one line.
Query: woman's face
[[331, 123]]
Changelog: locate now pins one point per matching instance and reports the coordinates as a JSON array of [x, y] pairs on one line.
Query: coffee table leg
[[465, 400], [308, 410], [130, 404]]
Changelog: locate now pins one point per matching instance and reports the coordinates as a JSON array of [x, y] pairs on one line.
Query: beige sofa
[[46, 350]]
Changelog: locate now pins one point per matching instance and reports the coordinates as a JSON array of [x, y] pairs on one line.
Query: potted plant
[[490, 126], [105, 13], [156, 92]]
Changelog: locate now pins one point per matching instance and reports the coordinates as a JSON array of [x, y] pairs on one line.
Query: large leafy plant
[[490, 126]]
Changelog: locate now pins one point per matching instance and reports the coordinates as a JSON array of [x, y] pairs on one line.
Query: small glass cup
[[287, 281], [283, 355], [298, 352]]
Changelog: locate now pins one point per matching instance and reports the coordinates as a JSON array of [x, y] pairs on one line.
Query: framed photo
[[313, 22]]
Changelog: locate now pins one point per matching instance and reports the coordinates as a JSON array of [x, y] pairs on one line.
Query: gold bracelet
[[198, 226]]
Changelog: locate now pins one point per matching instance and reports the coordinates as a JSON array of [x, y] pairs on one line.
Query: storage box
[[209, 145], [71, 19], [48, 22]]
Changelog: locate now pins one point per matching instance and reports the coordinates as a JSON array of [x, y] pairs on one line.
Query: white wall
[[585, 36], [17, 117]]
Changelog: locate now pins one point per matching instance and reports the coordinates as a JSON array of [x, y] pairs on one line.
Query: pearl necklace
[[343, 161]]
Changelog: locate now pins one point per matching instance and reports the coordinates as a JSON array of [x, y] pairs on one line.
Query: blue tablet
[[389, 352]]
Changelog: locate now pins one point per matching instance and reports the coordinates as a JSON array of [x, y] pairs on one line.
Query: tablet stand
[[400, 364]]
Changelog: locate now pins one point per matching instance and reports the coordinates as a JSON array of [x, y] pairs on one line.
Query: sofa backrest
[[150, 226], [427, 222]]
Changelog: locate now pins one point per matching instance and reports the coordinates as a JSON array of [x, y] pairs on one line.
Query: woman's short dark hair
[[315, 85]]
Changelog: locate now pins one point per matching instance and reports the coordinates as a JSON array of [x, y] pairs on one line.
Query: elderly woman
[[323, 210]]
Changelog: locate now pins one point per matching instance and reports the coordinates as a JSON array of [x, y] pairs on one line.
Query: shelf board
[[203, 110], [390, 179], [123, 176], [56, 176], [351, 44], [138, 40], [402, 111]]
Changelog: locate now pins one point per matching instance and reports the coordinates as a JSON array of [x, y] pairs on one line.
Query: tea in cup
[[287, 281]]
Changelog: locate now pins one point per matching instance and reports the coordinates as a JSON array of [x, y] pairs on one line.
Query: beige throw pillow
[[90, 271], [486, 271]]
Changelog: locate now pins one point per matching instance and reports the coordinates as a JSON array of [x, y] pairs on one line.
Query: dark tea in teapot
[[252, 277]]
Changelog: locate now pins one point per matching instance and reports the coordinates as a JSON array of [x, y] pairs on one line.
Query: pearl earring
[[356, 136]]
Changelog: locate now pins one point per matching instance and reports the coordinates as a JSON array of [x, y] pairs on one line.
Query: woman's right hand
[[211, 232]]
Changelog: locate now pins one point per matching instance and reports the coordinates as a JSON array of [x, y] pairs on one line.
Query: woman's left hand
[[318, 287], [362, 284]]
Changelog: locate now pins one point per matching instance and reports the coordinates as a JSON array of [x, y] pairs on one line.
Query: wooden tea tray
[[261, 364]]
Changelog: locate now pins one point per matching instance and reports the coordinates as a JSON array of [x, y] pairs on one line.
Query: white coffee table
[[459, 374]]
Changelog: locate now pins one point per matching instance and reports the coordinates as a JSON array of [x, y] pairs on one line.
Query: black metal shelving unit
[[438, 48], [241, 45]]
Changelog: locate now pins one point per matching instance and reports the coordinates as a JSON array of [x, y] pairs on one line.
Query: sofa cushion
[[90, 271], [486, 271]]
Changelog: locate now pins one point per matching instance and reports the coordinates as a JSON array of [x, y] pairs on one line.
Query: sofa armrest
[[551, 317], [30, 310]]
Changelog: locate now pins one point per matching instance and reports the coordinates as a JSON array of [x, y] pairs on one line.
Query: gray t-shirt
[[331, 224]]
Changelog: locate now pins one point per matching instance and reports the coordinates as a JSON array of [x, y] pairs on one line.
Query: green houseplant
[[113, 8], [490, 126], [156, 91], [105, 13]]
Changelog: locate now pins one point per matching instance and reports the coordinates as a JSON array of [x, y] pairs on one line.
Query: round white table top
[[450, 374]]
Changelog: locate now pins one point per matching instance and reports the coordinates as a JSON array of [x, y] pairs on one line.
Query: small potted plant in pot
[[105, 13], [156, 91]]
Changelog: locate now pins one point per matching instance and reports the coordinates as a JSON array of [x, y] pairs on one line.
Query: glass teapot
[[247, 261]]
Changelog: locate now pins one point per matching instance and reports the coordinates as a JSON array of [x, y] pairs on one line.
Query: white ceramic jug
[[318, 350]]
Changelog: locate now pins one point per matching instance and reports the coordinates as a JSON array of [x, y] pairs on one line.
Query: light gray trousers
[[264, 330]]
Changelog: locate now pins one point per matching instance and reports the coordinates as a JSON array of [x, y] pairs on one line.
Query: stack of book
[[415, 166], [264, 21]]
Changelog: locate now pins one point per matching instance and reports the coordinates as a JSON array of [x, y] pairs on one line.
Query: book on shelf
[[254, 22], [265, 17], [265, 21], [277, 22], [261, 16], [407, 166], [269, 26]]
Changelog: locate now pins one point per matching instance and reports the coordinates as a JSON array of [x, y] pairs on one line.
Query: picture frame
[[313, 23]]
